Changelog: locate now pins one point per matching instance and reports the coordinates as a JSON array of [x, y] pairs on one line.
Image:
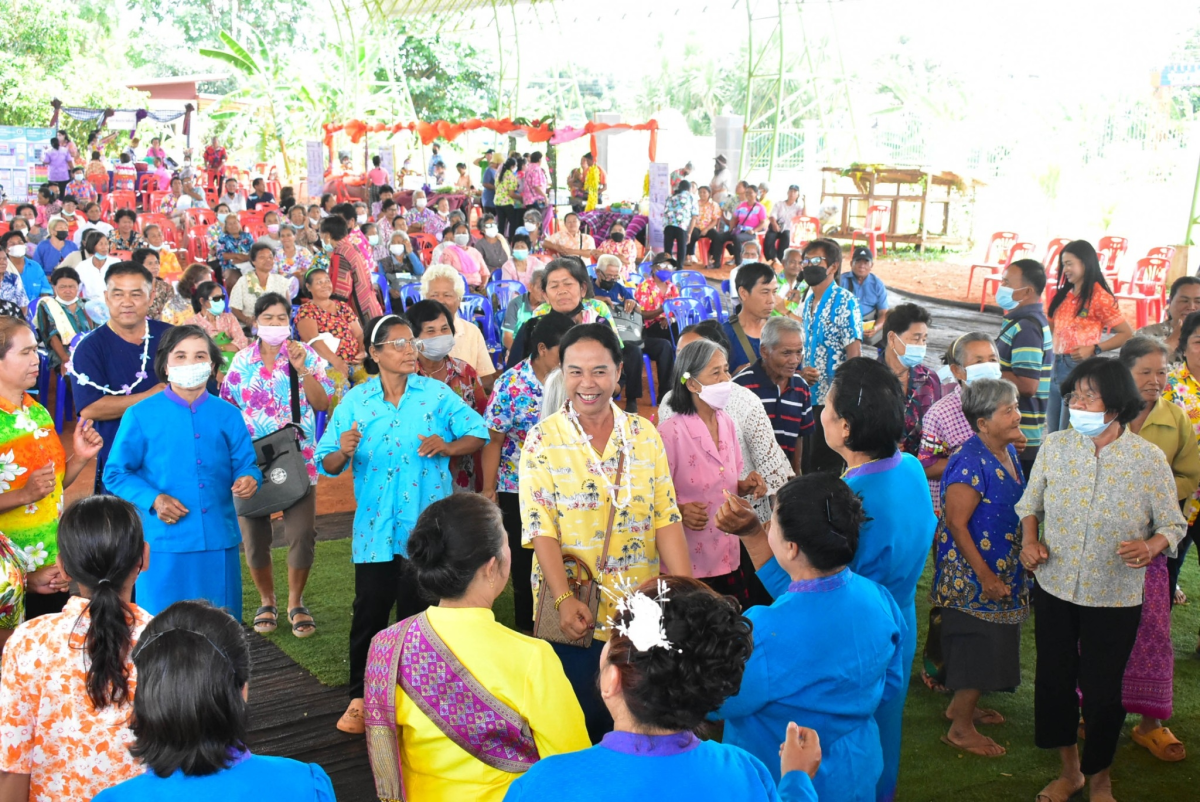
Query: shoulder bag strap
[[612, 514], [294, 380], [747, 348]]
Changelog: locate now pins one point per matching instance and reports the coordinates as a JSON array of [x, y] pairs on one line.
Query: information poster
[[387, 162], [660, 190], [315, 149], [21, 168]]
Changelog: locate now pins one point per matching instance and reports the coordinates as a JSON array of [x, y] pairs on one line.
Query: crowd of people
[[687, 576]]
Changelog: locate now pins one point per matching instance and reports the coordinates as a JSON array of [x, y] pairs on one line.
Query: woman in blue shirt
[[398, 432], [675, 652], [180, 456], [191, 716]]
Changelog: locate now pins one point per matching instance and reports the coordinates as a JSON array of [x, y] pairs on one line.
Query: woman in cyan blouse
[[1107, 506]]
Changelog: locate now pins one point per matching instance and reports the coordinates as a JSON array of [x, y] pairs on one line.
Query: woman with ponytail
[[64, 731], [460, 556]]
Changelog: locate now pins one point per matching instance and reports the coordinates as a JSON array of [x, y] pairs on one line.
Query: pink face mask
[[274, 335], [716, 395]]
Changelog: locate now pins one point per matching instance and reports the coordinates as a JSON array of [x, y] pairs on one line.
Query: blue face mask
[[663, 275], [913, 355], [1005, 300], [216, 307], [983, 370], [1087, 423]]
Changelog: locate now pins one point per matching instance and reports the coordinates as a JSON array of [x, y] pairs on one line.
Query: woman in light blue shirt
[[398, 432]]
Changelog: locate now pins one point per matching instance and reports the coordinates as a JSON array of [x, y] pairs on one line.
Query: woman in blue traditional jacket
[[180, 457], [808, 664], [675, 651]]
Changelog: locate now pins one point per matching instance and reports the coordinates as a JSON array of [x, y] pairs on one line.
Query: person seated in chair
[[609, 289]]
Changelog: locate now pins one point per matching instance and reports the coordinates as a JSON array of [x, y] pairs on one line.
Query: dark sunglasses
[[217, 298]]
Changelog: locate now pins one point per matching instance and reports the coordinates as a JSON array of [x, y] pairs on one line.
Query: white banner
[[315, 150], [122, 121], [660, 190]]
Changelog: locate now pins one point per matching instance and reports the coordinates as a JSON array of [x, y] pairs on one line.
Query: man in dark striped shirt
[[775, 378]]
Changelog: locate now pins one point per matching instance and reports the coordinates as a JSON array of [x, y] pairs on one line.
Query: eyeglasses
[[1082, 398], [400, 345], [812, 260]]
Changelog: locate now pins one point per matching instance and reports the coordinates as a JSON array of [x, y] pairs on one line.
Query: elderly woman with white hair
[[446, 285], [421, 219], [979, 582]]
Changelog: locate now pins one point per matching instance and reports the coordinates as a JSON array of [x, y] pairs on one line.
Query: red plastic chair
[[267, 207], [1162, 252], [122, 199], [1148, 288], [424, 244], [1050, 261], [154, 200], [1019, 250], [874, 227], [256, 228], [197, 243], [805, 229], [195, 217], [248, 217], [3, 228], [100, 183], [995, 257], [1110, 250], [162, 221]]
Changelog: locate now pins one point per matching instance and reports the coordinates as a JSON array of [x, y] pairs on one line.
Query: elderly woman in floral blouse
[[619, 246], [1183, 390], [423, 220]]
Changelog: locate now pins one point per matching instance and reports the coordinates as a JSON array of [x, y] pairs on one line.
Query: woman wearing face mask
[[619, 246], [332, 329], [1149, 674], [458, 252], [259, 383], [208, 302], [705, 460], [61, 317], [233, 252], [300, 222], [180, 457], [215, 231], [12, 288], [421, 219], [52, 250], [179, 308], [271, 223], [259, 281], [148, 258], [168, 263], [384, 228], [1100, 507], [901, 348], [291, 259], [653, 292], [93, 267], [492, 245], [979, 585], [435, 326]]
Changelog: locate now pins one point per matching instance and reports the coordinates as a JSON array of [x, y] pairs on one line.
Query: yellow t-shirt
[[562, 499], [520, 671]]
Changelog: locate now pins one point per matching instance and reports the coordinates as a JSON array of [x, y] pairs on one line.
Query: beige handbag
[[584, 586]]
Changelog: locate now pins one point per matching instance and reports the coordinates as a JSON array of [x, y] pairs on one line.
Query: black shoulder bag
[[281, 460]]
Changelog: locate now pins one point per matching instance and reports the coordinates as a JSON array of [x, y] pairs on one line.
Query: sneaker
[[353, 720]]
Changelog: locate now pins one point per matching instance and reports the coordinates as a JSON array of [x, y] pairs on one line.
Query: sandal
[[302, 629], [1054, 792], [266, 619], [1158, 742]]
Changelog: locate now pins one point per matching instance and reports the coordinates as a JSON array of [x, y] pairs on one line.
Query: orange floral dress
[[48, 726]]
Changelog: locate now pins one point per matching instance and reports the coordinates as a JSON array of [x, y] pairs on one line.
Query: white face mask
[[189, 376], [63, 300], [362, 218], [716, 395], [984, 370], [461, 240], [421, 203], [490, 231], [154, 247], [397, 249], [17, 251]]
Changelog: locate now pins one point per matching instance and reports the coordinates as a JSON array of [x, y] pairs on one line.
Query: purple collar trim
[[632, 743], [875, 466], [822, 585], [174, 396], [237, 756]]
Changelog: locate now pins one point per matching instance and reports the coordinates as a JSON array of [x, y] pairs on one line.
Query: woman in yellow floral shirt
[[581, 468]]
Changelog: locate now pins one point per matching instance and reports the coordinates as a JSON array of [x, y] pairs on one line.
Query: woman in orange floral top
[[1082, 308], [653, 292], [68, 680], [619, 246], [325, 316]]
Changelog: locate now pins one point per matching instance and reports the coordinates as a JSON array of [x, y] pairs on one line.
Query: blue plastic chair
[[688, 278], [502, 292], [645, 270], [476, 306], [710, 298], [682, 312], [591, 269], [387, 293], [322, 418], [410, 294], [725, 288]]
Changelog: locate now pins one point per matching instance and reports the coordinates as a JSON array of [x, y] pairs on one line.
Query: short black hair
[[256, 182], [749, 275], [173, 337], [1033, 273], [91, 239], [188, 712], [386, 188], [675, 689], [549, 331], [202, 293], [596, 332], [128, 269], [822, 516], [453, 538], [335, 226], [869, 398], [902, 318], [522, 239], [123, 213], [258, 248], [140, 255], [346, 211], [375, 333], [710, 330], [269, 299], [11, 235], [22, 207], [1186, 330], [1112, 381], [1181, 282], [61, 273], [423, 312], [387, 204]]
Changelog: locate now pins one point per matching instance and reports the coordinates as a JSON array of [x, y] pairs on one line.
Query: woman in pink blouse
[[702, 450], [208, 302]]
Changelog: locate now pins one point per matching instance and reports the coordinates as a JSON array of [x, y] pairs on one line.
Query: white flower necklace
[[126, 389], [596, 463]]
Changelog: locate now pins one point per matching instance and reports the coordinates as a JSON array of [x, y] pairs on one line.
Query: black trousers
[[661, 352], [378, 588], [1175, 564], [698, 235], [775, 243], [675, 243], [1084, 648], [818, 457], [522, 561], [514, 218]]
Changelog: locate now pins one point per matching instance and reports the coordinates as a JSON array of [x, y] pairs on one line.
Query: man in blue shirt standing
[[488, 201], [867, 287]]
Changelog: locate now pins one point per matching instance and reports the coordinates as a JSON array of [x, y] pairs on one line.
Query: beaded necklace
[[596, 463], [126, 389]]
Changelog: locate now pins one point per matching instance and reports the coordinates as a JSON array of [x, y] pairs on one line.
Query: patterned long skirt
[[1148, 685]]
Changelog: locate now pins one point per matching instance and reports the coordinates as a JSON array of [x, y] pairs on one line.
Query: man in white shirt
[[233, 196], [778, 237], [720, 182], [94, 223]]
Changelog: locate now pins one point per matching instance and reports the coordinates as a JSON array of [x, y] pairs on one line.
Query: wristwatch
[[1097, 347]]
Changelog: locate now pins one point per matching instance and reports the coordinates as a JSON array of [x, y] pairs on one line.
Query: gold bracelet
[[562, 599]]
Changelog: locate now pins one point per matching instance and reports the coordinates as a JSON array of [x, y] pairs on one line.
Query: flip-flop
[[1157, 742], [266, 619], [991, 717], [302, 629], [974, 750], [1052, 792]]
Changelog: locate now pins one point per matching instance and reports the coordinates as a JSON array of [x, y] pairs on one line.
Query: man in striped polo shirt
[[775, 378], [1026, 349]]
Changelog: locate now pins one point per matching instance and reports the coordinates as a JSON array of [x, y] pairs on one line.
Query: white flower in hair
[[644, 624]]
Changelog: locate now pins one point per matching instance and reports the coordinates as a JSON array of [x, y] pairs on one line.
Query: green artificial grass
[[930, 770]]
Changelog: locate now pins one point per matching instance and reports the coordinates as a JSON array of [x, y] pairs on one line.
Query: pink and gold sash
[[411, 654]]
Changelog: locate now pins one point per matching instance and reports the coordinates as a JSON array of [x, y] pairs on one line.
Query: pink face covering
[[274, 335]]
